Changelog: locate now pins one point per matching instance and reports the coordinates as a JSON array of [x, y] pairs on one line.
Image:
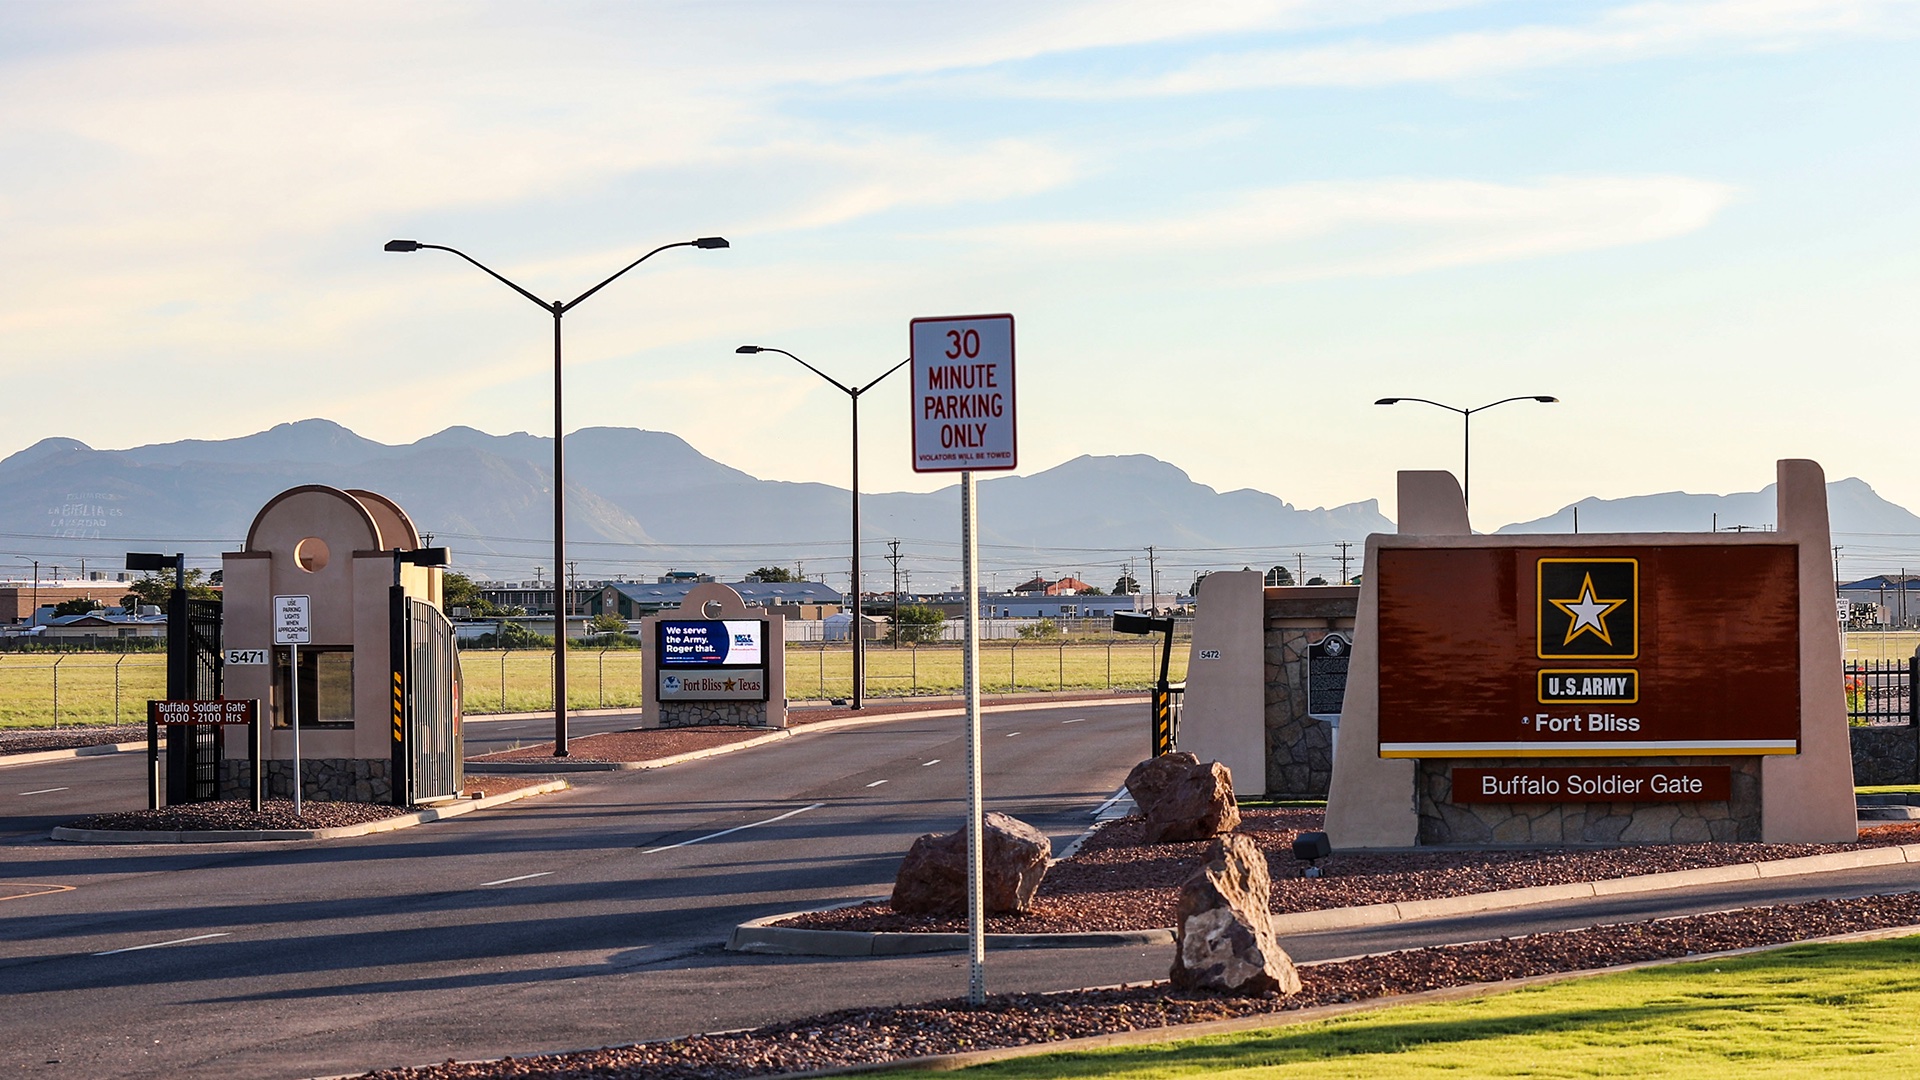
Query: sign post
[[963, 421], [293, 627]]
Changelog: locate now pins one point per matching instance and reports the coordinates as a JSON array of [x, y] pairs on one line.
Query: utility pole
[[1344, 559], [573, 580], [893, 556], [1836, 563], [1299, 568], [1153, 582]]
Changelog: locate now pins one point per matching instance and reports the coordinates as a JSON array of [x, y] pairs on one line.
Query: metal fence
[[1880, 692]]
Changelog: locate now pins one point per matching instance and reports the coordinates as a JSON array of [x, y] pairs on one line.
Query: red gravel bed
[[621, 746], [889, 1033], [238, 814], [1114, 882], [35, 740]]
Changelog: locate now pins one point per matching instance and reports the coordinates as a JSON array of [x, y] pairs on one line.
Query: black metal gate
[[428, 737], [193, 674]]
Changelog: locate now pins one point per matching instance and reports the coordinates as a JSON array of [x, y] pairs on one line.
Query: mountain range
[[640, 502]]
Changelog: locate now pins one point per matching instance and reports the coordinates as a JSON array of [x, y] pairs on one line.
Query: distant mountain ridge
[[489, 496]]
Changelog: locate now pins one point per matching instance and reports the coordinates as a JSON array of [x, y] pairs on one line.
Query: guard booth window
[[326, 687]]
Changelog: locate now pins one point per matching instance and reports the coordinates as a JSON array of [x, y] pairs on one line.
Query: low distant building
[[1894, 597], [637, 600], [18, 599]]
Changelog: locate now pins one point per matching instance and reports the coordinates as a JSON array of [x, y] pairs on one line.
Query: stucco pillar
[[1224, 715]]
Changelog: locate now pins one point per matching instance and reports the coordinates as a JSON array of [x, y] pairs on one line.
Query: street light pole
[[853, 397], [1466, 430], [558, 309]]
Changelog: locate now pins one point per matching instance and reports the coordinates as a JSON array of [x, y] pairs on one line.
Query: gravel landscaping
[[35, 740], [890, 1033], [1116, 883], [238, 814]]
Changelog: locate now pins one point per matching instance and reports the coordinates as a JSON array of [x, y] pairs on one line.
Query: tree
[[917, 623], [1093, 590], [1316, 580], [156, 587], [1126, 586], [82, 605], [1042, 630], [1194, 589], [1279, 575], [459, 591], [606, 623], [772, 575]]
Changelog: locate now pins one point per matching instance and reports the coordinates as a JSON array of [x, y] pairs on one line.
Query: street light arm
[[490, 272], [1542, 398], [844, 388], [1435, 404], [883, 375], [569, 305]]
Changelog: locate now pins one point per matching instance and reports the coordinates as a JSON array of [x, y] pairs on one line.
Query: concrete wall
[[1224, 716]]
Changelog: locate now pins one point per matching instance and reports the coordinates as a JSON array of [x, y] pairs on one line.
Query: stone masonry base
[[340, 779], [710, 713]]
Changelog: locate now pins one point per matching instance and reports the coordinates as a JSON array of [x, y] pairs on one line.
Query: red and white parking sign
[[963, 415]]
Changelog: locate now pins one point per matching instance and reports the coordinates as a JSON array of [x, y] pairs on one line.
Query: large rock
[[1223, 935], [1182, 799], [933, 876]]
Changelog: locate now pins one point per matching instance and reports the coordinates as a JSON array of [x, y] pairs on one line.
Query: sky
[[1223, 229]]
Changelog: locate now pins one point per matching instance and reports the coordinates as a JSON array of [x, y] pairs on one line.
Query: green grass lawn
[[1845, 1011], [48, 689]]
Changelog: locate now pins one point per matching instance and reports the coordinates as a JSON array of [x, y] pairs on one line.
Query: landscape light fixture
[[557, 309], [856, 627], [1312, 847], [1466, 419]]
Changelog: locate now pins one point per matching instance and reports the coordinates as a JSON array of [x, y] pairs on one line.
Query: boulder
[[1182, 799], [1223, 933], [933, 877]]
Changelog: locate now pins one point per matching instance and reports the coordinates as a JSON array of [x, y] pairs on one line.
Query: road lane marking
[[44, 791], [511, 880], [876, 783], [42, 890], [1075, 720], [1011, 734], [161, 944], [735, 829], [935, 761], [1111, 799]]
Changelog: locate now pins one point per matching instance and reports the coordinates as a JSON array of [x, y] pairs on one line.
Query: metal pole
[[859, 630], [1466, 458], [976, 902], [293, 655], [559, 552]]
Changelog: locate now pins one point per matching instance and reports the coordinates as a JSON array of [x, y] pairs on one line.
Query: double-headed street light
[[853, 396], [1466, 419], [557, 309]]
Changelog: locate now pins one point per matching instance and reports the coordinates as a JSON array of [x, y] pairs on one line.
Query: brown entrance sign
[[1598, 783], [1612, 651]]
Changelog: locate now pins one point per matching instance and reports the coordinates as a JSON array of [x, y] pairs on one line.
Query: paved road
[[485, 735], [577, 919]]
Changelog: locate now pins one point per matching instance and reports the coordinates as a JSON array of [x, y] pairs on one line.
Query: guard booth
[[378, 679]]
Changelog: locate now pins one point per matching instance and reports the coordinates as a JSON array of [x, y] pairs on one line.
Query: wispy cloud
[[1397, 226], [1618, 35]]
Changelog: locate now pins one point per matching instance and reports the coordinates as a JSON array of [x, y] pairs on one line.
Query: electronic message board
[[1609, 651], [711, 659]]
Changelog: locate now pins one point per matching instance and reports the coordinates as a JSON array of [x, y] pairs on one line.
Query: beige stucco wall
[[1224, 716]]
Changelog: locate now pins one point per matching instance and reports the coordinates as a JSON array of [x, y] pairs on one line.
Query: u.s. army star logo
[[1588, 609]]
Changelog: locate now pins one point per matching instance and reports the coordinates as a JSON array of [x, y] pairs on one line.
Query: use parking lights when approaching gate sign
[[963, 422]]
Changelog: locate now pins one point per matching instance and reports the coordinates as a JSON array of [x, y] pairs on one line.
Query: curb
[[230, 836], [756, 936], [549, 765], [1183, 1032], [96, 750], [924, 714]]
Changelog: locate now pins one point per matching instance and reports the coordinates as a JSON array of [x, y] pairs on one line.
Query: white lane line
[[161, 944], [1011, 734], [1075, 720], [511, 880], [1114, 798], [876, 783], [735, 829], [935, 761], [44, 791]]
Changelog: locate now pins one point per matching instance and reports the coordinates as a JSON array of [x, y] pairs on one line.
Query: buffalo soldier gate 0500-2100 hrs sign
[[963, 417]]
